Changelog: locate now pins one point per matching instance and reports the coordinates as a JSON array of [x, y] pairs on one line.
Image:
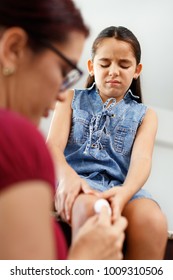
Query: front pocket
[[124, 139], [79, 132]]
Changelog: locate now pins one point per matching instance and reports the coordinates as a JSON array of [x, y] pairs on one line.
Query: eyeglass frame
[[67, 60]]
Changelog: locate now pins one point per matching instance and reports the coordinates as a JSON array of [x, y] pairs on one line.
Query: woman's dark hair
[[123, 34], [50, 20]]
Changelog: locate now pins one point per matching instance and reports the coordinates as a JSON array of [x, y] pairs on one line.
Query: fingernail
[[88, 192]]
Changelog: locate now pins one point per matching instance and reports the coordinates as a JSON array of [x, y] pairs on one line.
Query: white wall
[[160, 182], [152, 22]]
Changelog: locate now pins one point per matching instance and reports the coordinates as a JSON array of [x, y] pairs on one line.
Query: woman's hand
[[70, 185], [99, 238]]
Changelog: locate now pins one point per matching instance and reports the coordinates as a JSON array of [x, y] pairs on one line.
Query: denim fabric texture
[[102, 136]]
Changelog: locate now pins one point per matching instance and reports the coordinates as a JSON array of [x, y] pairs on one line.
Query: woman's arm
[[99, 238], [25, 222], [26, 229]]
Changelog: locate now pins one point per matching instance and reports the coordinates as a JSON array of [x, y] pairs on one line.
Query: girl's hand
[[117, 199], [70, 185]]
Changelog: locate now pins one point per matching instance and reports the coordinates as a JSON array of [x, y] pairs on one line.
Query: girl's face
[[114, 67]]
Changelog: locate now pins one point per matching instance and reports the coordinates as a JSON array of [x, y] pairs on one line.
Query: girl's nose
[[113, 70]]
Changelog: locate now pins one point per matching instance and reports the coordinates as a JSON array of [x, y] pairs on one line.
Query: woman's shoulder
[[23, 151], [17, 131], [12, 123]]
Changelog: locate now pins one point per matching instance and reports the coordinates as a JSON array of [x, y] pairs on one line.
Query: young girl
[[104, 148]]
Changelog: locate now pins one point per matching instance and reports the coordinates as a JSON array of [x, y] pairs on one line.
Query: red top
[[24, 156]]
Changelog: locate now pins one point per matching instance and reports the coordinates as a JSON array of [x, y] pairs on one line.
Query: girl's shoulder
[[151, 114]]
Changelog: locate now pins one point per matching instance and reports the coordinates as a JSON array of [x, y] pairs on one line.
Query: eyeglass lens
[[72, 77]]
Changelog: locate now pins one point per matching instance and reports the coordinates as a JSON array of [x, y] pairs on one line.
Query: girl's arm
[[60, 129], [140, 163], [141, 158], [69, 183]]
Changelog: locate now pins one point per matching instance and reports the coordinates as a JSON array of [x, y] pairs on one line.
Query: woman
[[37, 64]]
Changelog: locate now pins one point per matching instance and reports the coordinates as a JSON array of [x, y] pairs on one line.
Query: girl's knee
[[145, 215], [155, 224], [158, 224], [82, 208]]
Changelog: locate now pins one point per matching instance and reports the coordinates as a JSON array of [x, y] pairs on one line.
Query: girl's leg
[[146, 234], [83, 208]]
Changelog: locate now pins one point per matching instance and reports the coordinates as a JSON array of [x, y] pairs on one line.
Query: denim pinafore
[[102, 136]]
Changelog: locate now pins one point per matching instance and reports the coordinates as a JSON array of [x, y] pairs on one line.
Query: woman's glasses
[[73, 76]]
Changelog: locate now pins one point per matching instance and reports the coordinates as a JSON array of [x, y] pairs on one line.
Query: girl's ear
[[138, 71], [13, 41], [90, 67]]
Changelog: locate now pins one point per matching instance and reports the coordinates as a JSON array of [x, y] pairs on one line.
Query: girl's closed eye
[[125, 66], [104, 65], [104, 62], [125, 63]]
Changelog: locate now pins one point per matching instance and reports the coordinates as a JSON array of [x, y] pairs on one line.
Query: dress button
[[94, 145]]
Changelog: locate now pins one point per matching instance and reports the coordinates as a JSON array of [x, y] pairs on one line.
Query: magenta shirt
[[24, 156]]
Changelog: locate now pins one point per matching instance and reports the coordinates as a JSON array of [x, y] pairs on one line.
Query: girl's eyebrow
[[123, 60], [104, 59]]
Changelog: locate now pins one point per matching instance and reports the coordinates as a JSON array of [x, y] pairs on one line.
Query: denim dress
[[101, 138]]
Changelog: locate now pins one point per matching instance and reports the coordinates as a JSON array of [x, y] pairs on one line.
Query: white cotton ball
[[100, 203]]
